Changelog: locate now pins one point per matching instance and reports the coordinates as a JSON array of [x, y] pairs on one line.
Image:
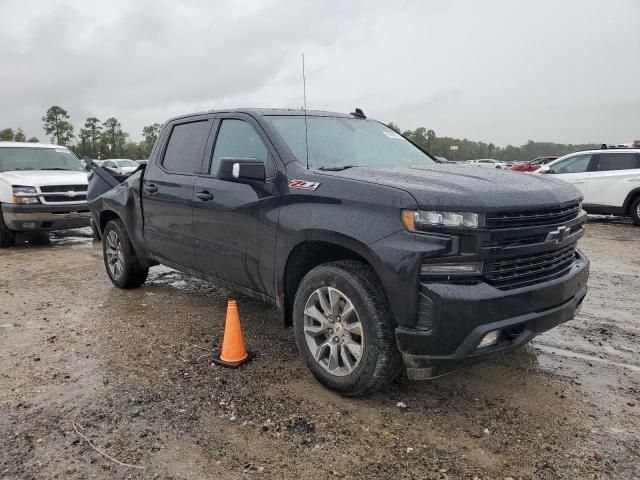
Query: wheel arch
[[631, 197], [316, 248]]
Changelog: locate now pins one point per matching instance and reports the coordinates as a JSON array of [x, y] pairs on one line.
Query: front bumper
[[45, 217], [463, 314]]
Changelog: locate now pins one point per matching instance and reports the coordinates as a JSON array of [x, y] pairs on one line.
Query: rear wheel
[[344, 328], [120, 260], [6, 236], [635, 211]]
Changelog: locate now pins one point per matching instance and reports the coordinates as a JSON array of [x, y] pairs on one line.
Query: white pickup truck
[[42, 187]]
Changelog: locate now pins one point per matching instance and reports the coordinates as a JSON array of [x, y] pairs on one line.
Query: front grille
[[65, 198], [511, 241], [532, 218], [63, 188], [524, 270]]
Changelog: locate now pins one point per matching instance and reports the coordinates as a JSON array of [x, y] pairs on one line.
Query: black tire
[[129, 274], [635, 211], [379, 363], [7, 236]]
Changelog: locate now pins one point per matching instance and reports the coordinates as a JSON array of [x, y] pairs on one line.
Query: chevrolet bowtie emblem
[[558, 235]]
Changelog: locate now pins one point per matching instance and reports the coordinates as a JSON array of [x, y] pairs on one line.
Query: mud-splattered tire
[[635, 211], [6, 236], [344, 328], [120, 260]]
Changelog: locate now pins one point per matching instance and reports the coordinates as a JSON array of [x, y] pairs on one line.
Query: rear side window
[[185, 148], [618, 161], [577, 164], [237, 139]]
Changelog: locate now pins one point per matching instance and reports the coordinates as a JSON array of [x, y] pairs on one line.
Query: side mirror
[[545, 169], [242, 170]]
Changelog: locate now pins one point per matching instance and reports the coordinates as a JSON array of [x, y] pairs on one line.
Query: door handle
[[204, 196], [150, 188]]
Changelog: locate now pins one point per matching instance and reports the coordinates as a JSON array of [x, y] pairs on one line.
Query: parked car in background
[[608, 179], [42, 187], [487, 163], [123, 166], [534, 164], [375, 253]]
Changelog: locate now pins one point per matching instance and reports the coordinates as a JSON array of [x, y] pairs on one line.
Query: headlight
[[25, 195], [414, 221]]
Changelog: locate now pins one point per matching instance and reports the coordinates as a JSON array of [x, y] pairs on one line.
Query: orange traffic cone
[[233, 353]]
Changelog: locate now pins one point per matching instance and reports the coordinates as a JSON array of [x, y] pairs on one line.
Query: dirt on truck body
[[130, 371]]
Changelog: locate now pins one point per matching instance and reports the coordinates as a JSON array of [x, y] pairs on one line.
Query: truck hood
[[466, 188], [34, 178]]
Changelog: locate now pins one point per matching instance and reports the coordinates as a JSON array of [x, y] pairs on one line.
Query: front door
[[574, 170], [167, 193], [235, 223]]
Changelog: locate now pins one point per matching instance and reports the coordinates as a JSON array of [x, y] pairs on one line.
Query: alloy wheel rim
[[333, 331], [113, 251]]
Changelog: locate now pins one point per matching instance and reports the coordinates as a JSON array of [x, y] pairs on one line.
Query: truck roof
[[268, 112], [4, 144]]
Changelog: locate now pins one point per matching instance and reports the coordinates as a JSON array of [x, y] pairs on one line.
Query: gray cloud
[[495, 70]]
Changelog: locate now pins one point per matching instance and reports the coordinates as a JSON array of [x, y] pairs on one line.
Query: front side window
[[127, 163], [237, 139], [336, 142], [185, 147], [618, 161], [19, 158], [577, 164]]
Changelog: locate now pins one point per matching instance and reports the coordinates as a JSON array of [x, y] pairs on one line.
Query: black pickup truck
[[376, 253]]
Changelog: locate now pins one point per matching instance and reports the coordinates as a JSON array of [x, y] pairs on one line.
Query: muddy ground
[[129, 371]]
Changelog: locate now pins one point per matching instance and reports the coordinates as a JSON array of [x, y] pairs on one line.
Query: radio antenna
[[306, 126]]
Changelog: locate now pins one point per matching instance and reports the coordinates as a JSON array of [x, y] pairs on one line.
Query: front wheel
[[120, 260], [344, 328], [635, 211], [6, 236]]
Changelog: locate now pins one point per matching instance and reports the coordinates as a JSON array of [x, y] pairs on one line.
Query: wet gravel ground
[[128, 371]]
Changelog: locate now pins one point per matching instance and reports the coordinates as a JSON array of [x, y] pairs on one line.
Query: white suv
[[608, 179], [42, 187]]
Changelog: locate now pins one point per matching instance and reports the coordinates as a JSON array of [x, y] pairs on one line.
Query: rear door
[[167, 192], [574, 170], [614, 175], [235, 223]]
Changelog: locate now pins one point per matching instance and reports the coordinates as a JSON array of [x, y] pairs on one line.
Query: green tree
[[150, 134], [57, 125], [92, 125], [393, 127], [113, 135], [6, 135], [431, 136], [33, 140], [84, 147], [19, 136]]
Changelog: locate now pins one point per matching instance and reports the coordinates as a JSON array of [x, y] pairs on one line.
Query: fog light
[[452, 268], [489, 339]]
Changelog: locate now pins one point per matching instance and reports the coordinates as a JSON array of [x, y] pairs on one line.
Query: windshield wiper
[[336, 169], [58, 168]]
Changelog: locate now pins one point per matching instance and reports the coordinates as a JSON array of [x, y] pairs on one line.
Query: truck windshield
[[336, 143], [18, 158]]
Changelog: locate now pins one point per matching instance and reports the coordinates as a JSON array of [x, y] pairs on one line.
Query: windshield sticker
[[62, 150], [303, 185], [393, 135]]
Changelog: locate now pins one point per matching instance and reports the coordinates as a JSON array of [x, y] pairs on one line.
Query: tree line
[[96, 139], [470, 149], [106, 139]]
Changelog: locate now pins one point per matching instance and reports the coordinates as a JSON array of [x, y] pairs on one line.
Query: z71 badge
[[303, 185]]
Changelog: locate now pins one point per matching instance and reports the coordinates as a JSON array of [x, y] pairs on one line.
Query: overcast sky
[[493, 70]]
